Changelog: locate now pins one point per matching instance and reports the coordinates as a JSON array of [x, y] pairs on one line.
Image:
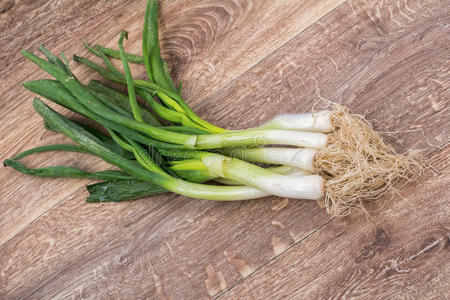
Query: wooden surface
[[241, 63]]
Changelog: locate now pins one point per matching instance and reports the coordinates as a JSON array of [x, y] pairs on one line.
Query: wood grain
[[205, 25], [55, 24], [222, 39], [387, 59], [185, 246]]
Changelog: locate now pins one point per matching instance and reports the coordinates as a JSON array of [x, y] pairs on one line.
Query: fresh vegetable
[[330, 155]]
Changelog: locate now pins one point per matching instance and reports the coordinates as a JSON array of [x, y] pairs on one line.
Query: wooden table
[[241, 62]]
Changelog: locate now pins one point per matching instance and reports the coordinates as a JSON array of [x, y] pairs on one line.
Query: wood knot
[[381, 238], [124, 259], [6, 5], [380, 242]]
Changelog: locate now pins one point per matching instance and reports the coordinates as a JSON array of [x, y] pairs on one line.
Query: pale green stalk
[[321, 121], [129, 78], [302, 158]]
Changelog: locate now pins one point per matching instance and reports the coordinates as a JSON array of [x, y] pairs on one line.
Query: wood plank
[[219, 40], [170, 245], [212, 246], [46, 22], [55, 24], [191, 33], [400, 252]]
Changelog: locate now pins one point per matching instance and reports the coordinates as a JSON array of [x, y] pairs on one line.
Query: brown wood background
[[241, 63]]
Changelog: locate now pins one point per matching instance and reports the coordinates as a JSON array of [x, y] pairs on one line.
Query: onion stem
[[316, 122], [300, 158]]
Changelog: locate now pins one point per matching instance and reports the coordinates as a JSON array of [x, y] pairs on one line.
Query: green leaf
[[130, 85], [121, 190], [65, 171], [47, 148], [133, 58], [104, 92]]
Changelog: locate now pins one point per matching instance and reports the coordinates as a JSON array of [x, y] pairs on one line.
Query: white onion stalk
[[299, 158], [282, 170], [299, 187], [288, 170], [258, 137], [212, 192], [315, 122]]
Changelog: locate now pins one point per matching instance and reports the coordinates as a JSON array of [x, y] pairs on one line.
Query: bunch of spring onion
[[160, 144]]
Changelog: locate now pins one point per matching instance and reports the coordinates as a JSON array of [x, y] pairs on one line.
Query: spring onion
[[330, 155]]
